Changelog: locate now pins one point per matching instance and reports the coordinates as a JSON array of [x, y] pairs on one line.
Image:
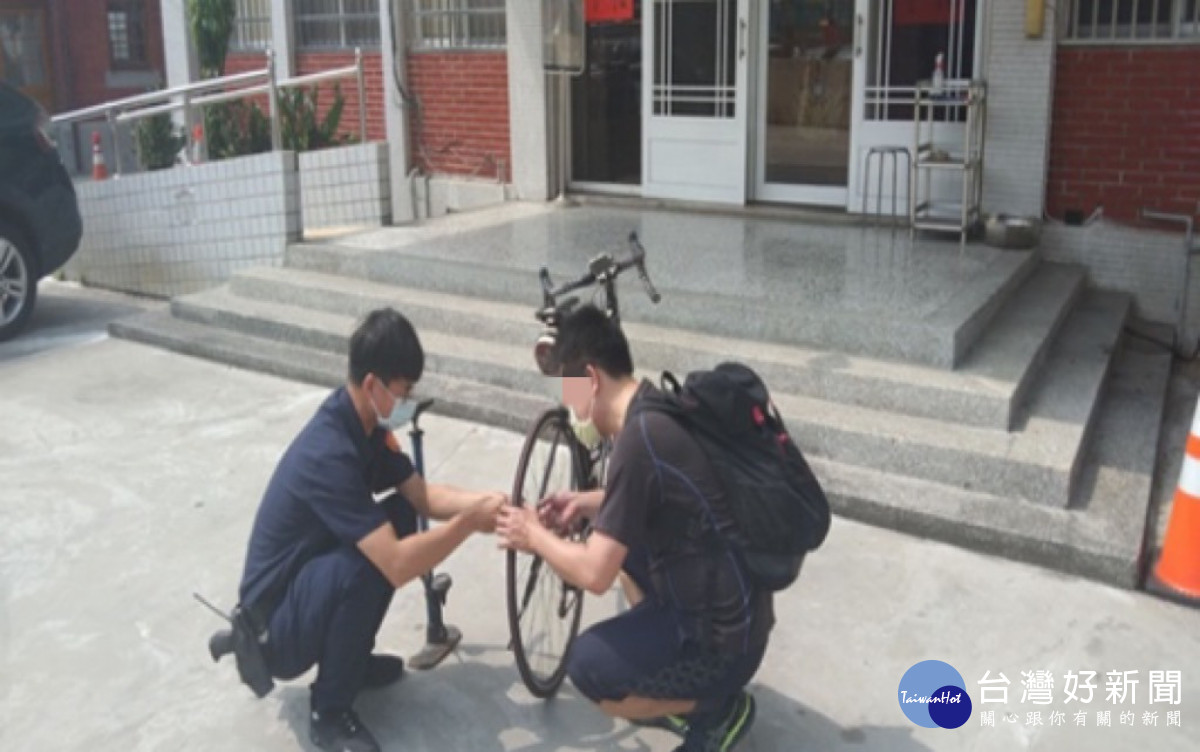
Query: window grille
[[252, 26], [336, 24], [457, 24], [1132, 22]]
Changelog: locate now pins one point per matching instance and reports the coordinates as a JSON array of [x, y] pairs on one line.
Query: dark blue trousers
[[330, 615]]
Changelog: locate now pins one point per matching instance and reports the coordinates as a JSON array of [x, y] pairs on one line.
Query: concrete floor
[[130, 478]]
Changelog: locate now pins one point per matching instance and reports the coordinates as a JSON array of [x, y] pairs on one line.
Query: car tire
[[18, 280]]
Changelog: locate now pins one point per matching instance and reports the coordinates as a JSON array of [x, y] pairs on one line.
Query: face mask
[[585, 430], [402, 412]]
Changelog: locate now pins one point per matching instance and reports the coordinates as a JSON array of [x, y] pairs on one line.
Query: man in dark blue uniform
[[325, 557]]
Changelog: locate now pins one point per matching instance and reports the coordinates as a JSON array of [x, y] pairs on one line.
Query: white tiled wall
[[1147, 264], [345, 187], [185, 229], [1020, 79]]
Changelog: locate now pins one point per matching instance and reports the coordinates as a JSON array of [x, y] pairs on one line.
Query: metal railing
[[1189, 249], [213, 91]]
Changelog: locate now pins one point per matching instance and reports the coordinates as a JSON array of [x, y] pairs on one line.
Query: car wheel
[[18, 285]]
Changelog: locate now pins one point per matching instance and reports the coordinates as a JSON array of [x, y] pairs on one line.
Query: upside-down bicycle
[[543, 610]]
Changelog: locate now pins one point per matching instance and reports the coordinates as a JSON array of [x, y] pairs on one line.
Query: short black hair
[[386, 345], [588, 337]]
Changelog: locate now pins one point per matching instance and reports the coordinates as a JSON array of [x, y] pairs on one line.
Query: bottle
[[939, 75]]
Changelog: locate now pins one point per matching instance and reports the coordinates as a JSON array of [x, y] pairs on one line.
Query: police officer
[[324, 556]]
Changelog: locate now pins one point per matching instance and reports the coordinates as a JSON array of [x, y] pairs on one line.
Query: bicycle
[[552, 459]]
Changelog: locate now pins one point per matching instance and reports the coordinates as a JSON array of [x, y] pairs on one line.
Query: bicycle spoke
[[530, 585], [550, 468]]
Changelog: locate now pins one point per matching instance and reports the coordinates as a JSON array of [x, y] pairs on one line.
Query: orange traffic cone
[[1178, 571], [197, 155], [99, 168]]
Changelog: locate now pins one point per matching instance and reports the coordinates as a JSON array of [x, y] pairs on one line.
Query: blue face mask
[[402, 412]]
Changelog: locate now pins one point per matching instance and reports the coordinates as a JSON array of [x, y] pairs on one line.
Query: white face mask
[[402, 412], [585, 430]]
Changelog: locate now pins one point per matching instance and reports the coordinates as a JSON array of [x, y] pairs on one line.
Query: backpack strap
[[668, 383]]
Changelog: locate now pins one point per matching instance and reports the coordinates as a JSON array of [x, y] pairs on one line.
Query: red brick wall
[[462, 124], [244, 62], [1126, 131], [81, 48], [241, 62]]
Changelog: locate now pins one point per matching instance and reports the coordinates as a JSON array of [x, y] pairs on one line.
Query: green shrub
[[211, 24], [301, 129], [158, 142], [235, 129]]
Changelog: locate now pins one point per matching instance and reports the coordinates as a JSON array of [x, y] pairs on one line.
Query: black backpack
[[778, 508]]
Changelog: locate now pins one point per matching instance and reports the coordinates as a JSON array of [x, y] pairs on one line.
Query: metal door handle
[[858, 32], [742, 28]]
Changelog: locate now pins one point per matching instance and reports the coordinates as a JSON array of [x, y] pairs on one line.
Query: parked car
[[40, 225]]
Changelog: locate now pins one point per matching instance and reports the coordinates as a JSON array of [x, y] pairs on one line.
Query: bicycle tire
[[525, 572]]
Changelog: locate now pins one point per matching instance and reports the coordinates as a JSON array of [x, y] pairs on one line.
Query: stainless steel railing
[[187, 98]]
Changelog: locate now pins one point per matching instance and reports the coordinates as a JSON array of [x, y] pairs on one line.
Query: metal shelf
[[964, 158], [952, 164]]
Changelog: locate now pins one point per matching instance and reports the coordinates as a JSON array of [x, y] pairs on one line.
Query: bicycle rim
[[543, 611]]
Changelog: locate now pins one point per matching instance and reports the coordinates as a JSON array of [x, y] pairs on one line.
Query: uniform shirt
[[659, 493], [321, 496]]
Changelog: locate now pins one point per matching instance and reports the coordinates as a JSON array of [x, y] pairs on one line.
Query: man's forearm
[[591, 501], [447, 501], [570, 560], [419, 553]]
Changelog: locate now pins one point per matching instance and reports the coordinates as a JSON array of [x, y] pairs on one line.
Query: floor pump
[[440, 638]]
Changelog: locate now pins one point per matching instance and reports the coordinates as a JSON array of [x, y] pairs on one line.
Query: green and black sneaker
[[676, 724], [723, 730]]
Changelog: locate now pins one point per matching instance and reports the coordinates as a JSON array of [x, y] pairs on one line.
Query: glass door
[[805, 85], [606, 107]]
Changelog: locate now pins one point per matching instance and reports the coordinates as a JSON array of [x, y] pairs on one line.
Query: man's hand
[[482, 516], [517, 528], [560, 510]]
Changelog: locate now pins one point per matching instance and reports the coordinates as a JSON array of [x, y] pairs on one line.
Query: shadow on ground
[[470, 703]]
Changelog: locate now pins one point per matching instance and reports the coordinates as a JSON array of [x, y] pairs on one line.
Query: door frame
[[804, 194]]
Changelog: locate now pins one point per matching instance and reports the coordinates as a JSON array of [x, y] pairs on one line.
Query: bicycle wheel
[[543, 611]]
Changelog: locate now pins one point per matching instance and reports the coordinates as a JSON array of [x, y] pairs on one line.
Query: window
[[457, 24], [252, 27], [126, 34], [337, 24], [1133, 21]]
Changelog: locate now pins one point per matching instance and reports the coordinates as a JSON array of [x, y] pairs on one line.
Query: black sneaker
[[340, 731], [383, 670], [721, 731]]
